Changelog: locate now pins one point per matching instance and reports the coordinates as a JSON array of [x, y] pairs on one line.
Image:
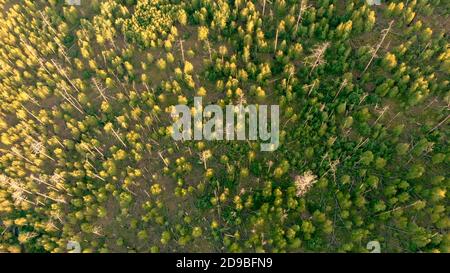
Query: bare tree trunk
[[29, 112], [98, 151], [15, 185], [99, 90], [182, 50], [62, 47], [68, 98], [63, 73], [163, 159], [209, 50], [118, 137], [381, 115], [312, 88], [300, 13], [264, 8], [317, 55], [384, 33], [343, 84], [122, 85], [276, 41], [34, 54], [14, 150], [45, 183], [439, 125]]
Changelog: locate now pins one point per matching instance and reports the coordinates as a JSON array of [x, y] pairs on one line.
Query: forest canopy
[[86, 153]]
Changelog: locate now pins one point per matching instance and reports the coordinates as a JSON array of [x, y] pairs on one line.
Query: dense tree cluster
[[86, 152]]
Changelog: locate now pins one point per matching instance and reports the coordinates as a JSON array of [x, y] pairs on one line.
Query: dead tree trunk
[[318, 56], [100, 90], [276, 41], [209, 50], [303, 7], [182, 50], [264, 8], [384, 34]]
